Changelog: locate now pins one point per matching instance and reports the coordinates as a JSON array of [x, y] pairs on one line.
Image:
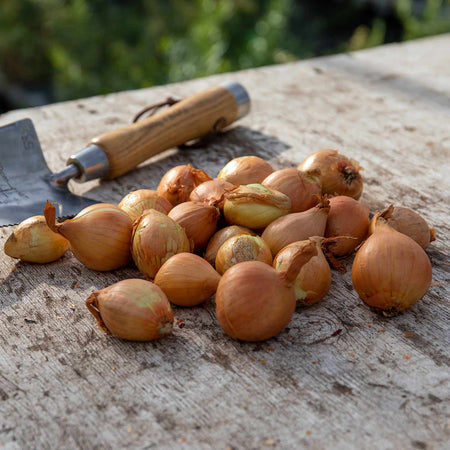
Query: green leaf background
[[66, 49]]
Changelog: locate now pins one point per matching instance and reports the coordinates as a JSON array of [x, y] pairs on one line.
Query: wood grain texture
[[339, 376], [211, 109]]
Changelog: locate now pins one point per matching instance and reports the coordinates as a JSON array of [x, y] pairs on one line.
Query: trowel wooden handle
[[195, 116]]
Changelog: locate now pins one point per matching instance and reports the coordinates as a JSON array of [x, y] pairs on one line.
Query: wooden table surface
[[339, 376]]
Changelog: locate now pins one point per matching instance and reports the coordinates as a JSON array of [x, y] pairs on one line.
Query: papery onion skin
[[339, 174], [297, 227], [187, 279], [409, 222], [245, 170], [177, 184], [133, 309], [211, 192], [220, 237], [390, 271], [255, 206], [33, 241], [199, 221], [240, 248], [156, 237], [99, 235], [347, 217], [314, 279], [254, 302], [136, 202], [247, 280], [302, 188]]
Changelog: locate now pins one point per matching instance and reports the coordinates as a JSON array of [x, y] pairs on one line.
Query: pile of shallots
[[261, 240]]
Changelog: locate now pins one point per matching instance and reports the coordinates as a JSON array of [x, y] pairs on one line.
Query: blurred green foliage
[[77, 48], [416, 19]]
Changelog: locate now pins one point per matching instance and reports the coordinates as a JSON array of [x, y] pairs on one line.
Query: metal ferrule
[[91, 162], [241, 96]]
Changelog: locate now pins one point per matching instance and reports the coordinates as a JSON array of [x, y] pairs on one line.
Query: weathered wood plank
[[63, 384]]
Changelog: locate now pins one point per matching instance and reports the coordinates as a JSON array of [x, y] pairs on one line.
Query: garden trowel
[[26, 182]]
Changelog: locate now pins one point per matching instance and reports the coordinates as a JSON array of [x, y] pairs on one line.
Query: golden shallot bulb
[[187, 279], [99, 235], [408, 222], [136, 202], [199, 221], [303, 188], [220, 237], [390, 271], [134, 309], [245, 170], [255, 206], [240, 248], [33, 241], [297, 226], [156, 237], [339, 174], [211, 192], [347, 217], [177, 184], [254, 302], [314, 279]]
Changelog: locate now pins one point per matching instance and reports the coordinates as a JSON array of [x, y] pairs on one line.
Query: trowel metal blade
[[25, 179]]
